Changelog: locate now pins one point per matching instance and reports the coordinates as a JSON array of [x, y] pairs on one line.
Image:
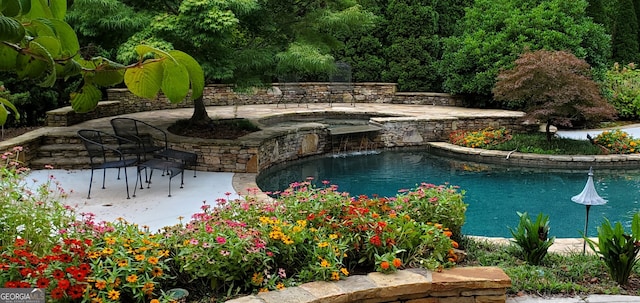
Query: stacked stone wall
[[121, 101]]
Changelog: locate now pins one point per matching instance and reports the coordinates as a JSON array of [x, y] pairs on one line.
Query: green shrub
[[532, 237], [618, 249], [622, 89]]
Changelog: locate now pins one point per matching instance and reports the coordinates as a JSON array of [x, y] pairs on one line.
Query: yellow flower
[[164, 253], [257, 279], [344, 271], [96, 300], [280, 286], [123, 263], [297, 229], [335, 276], [110, 240], [333, 236], [264, 289], [264, 220], [94, 254], [139, 257], [107, 251], [323, 244], [302, 223], [113, 295], [132, 278], [324, 263], [152, 260], [287, 241]]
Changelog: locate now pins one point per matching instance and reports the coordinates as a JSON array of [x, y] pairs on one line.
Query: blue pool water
[[494, 194]]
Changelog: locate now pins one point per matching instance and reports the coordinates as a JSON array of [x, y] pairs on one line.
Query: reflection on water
[[494, 194]]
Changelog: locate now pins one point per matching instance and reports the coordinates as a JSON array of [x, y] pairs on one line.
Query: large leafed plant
[[36, 43]]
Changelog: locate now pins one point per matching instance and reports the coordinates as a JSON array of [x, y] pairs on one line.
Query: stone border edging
[[416, 285], [564, 162]]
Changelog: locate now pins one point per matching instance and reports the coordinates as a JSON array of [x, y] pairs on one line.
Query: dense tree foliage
[[554, 87], [625, 34], [102, 36], [595, 10], [495, 32], [405, 47]]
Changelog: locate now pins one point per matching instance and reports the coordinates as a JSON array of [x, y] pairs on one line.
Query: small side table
[[172, 168]]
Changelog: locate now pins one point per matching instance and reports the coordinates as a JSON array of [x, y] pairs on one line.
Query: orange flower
[[384, 265], [132, 278], [397, 262], [152, 260], [335, 276], [101, 284], [156, 272], [448, 233], [454, 244]]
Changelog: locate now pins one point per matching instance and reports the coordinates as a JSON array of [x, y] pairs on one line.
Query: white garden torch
[[588, 197]]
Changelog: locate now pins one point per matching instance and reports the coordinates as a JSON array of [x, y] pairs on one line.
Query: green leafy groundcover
[[239, 247]]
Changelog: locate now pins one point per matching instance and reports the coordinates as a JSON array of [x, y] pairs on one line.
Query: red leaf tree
[[553, 86]]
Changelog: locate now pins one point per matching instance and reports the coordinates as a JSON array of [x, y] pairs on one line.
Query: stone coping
[[518, 159], [461, 284]]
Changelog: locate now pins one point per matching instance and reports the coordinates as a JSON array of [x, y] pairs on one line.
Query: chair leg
[[119, 173], [90, 183], [138, 177], [104, 176], [126, 181]]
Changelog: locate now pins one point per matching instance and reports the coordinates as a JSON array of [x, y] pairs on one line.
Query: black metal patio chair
[[103, 154], [151, 142]]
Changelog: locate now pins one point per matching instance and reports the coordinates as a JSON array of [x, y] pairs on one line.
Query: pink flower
[[194, 242], [221, 240], [282, 273], [433, 199]]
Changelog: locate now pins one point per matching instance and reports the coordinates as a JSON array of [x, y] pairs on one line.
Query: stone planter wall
[[463, 285], [121, 101], [401, 132], [559, 162]]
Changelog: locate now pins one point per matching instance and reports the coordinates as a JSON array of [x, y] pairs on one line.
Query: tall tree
[[596, 11], [553, 86], [625, 45], [249, 42], [102, 36], [495, 32]]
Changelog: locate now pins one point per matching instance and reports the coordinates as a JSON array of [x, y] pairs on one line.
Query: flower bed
[[238, 247]]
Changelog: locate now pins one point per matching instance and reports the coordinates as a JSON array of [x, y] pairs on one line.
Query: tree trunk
[[200, 115], [548, 131]]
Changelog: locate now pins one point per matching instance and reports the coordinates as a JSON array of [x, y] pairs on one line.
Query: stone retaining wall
[[457, 285], [560, 162], [122, 101]]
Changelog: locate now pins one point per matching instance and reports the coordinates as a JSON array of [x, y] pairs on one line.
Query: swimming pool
[[494, 194]]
